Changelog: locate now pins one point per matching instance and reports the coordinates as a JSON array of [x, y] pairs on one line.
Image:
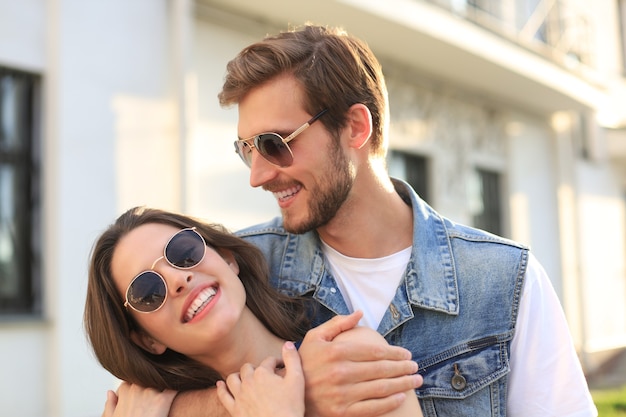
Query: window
[[20, 291], [411, 168], [485, 201]]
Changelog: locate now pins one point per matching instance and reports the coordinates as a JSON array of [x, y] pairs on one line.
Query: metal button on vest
[[458, 381]]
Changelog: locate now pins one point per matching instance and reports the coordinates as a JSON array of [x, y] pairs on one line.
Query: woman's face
[[192, 321]]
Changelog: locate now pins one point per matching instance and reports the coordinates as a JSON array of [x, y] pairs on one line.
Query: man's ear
[[359, 125], [147, 342]]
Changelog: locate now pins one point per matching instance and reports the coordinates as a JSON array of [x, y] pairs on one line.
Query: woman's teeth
[[200, 302]]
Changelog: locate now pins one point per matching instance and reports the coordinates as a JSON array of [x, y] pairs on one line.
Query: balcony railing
[[556, 29]]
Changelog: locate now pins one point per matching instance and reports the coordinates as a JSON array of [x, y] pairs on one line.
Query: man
[[477, 311]]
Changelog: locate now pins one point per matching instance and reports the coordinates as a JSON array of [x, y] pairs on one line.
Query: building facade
[[509, 115]]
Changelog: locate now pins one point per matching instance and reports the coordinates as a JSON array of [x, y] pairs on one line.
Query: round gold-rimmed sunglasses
[[147, 292]]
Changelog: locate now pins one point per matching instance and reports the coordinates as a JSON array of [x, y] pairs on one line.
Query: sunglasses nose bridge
[[157, 261]]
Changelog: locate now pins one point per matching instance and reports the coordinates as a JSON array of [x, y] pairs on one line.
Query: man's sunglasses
[[147, 292], [271, 146]]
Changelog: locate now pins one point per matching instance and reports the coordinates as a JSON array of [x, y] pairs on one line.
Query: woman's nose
[[181, 281], [177, 280]]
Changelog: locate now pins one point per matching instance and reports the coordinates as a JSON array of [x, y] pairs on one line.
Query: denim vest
[[455, 308]]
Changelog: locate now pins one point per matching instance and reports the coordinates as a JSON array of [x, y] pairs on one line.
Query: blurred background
[[509, 115]]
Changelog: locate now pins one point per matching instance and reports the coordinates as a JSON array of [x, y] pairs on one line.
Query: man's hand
[[135, 401], [354, 376], [262, 392]]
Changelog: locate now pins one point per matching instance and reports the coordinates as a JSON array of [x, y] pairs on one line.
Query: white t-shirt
[[546, 377]]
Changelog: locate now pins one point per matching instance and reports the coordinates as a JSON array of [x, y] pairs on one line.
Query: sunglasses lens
[[272, 148], [186, 249], [147, 292], [244, 151]]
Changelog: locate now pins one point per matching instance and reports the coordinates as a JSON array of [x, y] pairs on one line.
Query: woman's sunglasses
[[147, 292], [271, 146]]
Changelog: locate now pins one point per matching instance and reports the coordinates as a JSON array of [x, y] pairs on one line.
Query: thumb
[[332, 328], [111, 403], [291, 359]]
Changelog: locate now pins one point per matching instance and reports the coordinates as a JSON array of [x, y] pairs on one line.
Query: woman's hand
[[261, 392], [134, 401]]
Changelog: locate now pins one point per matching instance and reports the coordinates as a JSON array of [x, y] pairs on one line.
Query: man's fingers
[[383, 388], [369, 370], [225, 397], [364, 351], [375, 407], [335, 326], [383, 369]]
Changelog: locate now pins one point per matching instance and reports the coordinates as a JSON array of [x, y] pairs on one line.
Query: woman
[[177, 304]]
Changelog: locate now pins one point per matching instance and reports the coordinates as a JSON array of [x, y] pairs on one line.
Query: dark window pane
[[19, 271], [411, 168], [487, 213]]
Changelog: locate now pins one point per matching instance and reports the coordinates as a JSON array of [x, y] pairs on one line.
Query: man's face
[[311, 190]]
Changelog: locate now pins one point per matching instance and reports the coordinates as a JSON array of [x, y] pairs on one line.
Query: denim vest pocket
[[472, 373]]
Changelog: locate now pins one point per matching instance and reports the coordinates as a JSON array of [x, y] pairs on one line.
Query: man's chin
[[297, 227]]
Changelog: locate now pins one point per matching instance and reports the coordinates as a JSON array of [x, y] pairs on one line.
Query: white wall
[[19, 48], [98, 54], [602, 225], [92, 56], [218, 182], [532, 191]]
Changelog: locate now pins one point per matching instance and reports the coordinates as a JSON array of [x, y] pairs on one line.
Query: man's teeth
[[287, 193], [200, 302]]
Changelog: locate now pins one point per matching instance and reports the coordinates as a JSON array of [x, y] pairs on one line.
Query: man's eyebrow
[[282, 133]]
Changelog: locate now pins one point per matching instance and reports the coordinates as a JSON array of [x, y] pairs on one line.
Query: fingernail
[[290, 346]]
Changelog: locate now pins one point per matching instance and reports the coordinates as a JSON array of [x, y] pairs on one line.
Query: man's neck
[[374, 222]]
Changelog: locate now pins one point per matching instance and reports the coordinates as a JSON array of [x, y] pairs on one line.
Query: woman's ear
[[147, 342], [359, 124], [230, 260]]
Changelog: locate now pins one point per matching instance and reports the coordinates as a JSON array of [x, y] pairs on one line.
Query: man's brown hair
[[334, 69]]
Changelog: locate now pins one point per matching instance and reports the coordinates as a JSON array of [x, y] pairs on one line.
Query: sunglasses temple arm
[[297, 132]]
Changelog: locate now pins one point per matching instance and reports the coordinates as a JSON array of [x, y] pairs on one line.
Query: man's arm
[[200, 403], [353, 379], [134, 400]]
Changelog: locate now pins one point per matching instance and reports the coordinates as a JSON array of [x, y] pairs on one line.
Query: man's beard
[[330, 192]]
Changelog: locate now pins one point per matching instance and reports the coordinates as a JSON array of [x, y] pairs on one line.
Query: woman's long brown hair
[[108, 324]]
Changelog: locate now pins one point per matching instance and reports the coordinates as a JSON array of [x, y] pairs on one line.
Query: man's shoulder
[[271, 227], [272, 238], [473, 234]]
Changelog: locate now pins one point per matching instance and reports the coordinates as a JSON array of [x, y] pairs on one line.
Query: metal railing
[[556, 29]]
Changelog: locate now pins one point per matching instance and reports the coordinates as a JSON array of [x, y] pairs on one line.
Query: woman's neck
[[248, 342]]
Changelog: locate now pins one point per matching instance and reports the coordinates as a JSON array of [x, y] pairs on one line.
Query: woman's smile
[[200, 302]]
